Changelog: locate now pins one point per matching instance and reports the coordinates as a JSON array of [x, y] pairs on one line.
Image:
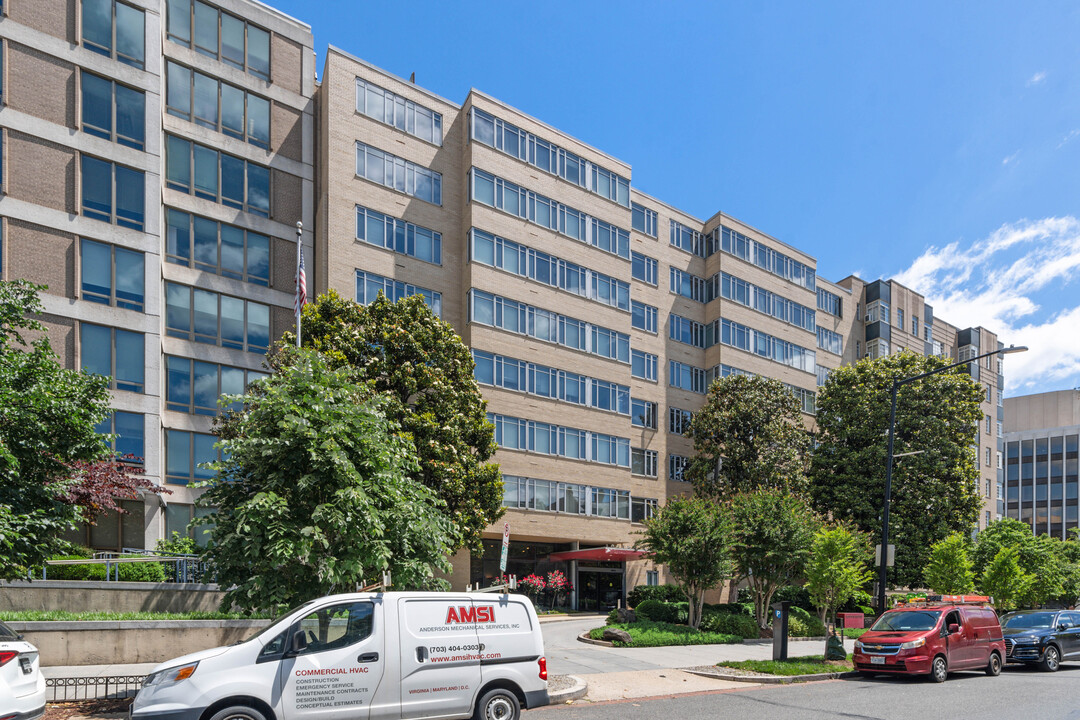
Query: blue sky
[[936, 143]]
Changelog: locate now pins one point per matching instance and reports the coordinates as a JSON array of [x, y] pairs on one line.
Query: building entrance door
[[599, 588]]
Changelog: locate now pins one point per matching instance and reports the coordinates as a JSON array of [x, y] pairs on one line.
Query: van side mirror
[[297, 644], [953, 628], [1063, 627]]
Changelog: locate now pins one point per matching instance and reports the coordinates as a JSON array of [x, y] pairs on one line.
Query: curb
[[776, 679], [584, 637], [544, 619], [577, 691]]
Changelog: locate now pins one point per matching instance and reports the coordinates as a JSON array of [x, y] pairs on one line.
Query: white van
[[365, 656]]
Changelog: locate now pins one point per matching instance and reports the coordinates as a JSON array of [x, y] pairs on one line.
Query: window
[[643, 219], [686, 331], [822, 375], [677, 465], [114, 353], [987, 424], [652, 577], [112, 193], [746, 338], [398, 174], [180, 517], [399, 236], [877, 311], [830, 341], [915, 326], [550, 496], [643, 316], [643, 462], [643, 413], [393, 109], [686, 239], [185, 452], [193, 386], [216, 176], [114, 30], [987, 463], [738, 290], [219, 35], [113, 111], [521, 376], [643, 268], [899, 318], [679, 420], [643, 365], [369, 285], [877, 349], [337, 626], [642, 509], [206, 101], [829, 303], [128, 444], [546, 439], [111, 275], [218, 248], [207, 317], [687, 377], [752, 251], [687, 285]]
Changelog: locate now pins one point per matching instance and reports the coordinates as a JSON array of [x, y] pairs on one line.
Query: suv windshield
[[904, 620], [1028, 620]]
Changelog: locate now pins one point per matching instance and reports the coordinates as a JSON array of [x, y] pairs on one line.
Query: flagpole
[[299, 308]]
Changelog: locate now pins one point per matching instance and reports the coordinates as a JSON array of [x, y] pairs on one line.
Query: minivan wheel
[[498, 704], [238, 712], [993, 668], [939, 670], [1051, 659]]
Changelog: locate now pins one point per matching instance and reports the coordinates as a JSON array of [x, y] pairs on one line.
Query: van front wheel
[[498, 704], [238, 712], [939, 671]]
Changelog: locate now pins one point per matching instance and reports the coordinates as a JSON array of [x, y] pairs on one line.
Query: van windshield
[[1028, 620], [275, 626], [906, 620]]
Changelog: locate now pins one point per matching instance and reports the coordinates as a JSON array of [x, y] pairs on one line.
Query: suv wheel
[[1051, 659], [993, 668], [939, 670]]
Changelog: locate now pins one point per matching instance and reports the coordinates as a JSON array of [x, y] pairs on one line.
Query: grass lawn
[[807, 665], [63, 615], [659, 634], [853, 633]]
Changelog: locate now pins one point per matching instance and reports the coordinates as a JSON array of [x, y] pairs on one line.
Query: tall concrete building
[[157, 156], [1041, 438]]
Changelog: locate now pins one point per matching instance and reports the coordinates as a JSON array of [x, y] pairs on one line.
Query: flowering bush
[[532, 585]]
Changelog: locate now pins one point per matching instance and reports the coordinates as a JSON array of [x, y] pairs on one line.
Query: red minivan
[[933, 637]]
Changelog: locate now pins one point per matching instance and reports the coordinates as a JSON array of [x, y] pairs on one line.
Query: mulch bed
[[87, 708]]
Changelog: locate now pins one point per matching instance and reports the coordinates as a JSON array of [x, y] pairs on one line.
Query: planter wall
[[94, 596]]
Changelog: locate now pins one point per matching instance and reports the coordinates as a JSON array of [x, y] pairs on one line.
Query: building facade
[[158, 154], [1042, 432]]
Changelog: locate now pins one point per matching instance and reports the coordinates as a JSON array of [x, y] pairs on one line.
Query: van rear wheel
[[238, 712], [993, 668], [939, 671], [498, 704]]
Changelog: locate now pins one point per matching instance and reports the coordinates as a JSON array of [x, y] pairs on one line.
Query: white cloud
[[997, 282], [1037, 78], [1072, 134], [1010, 158]]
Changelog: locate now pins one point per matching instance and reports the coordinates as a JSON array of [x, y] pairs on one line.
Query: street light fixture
[[883, 569]]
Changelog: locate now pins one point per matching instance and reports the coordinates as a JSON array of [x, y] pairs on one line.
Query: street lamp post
[[883, 569]]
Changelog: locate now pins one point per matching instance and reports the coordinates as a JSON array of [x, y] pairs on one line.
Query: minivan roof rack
[[933, 600]]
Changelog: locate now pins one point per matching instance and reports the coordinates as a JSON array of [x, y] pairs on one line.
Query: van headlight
[[170, 676], [912, 644]]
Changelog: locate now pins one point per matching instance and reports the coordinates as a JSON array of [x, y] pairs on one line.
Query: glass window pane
[[258, 258], [129, 279], [258, 193], [258, 51], [206, 321], [97, 188], [133, 525], [232, 181], [177, 458], [130, 29], [204, 453], [129, 428], [96, 272], [206, 100], [177, 238], [178, 90], [232, 110], [97, 24], [129, 361], [206, 172], [178, 382], [105, 532], [206, 388], [232, 251], [130, 198], [178, 164], [258, 127], [232, 40], [232, 322], [179, 20], [95, 343], [232, 381], [258, 327], [130, 117], [206, 28], [177, 309], [206, 244], [96, 105]]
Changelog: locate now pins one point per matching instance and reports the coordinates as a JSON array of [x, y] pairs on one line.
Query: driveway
[[567, 656]]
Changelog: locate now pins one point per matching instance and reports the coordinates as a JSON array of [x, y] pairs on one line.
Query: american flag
[[301, 285]]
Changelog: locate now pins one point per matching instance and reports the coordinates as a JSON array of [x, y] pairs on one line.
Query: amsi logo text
[[484, 614]]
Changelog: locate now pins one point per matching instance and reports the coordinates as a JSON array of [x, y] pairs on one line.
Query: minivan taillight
[[542, 662], [7, 656]]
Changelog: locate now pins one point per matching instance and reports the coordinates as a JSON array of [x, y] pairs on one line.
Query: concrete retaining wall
[[123, 642], [93, 596]]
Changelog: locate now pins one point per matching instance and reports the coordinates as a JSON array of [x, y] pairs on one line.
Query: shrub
[[177, 544], [659, 634], [663, 593], [732, 608], [74, 572], [682, 611], [731, 624], [612, 617], [142, 572], [805, 627], [657, 611]]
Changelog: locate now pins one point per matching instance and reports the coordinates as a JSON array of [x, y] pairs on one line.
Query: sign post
[[505, 548]]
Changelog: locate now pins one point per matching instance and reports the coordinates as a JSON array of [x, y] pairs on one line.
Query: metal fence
[[178, 568], [70, 689]]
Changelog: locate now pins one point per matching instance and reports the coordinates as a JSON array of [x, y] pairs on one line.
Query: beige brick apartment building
[[158, 153]]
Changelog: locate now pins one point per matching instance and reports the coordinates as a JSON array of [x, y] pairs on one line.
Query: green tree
[[772, 534], [690, 537], [839, 566], [426, 372], [934, 493], [316, 494], [1070, 563], [949, 570], [1004, 580], [47, 420], [749, 435], [1043, 558]]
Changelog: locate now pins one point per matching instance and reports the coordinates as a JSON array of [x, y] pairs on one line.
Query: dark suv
[[1042, 637]]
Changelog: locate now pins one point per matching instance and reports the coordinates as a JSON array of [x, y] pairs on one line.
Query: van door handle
[[421, 654], [368, 657]]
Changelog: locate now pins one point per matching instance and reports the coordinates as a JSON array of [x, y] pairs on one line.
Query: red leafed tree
[[99, 486]]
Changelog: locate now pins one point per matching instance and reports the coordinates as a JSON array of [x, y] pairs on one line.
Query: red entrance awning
[[604, 554]]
